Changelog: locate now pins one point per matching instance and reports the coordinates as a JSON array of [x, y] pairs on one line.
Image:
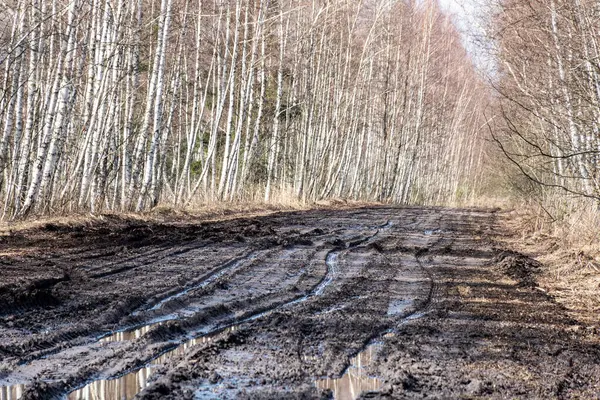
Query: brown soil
[[266, 307]]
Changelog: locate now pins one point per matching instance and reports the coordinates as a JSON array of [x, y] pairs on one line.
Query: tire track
[[317, 290], [209, 278], [317, 281], [353, 376], [162, 255]]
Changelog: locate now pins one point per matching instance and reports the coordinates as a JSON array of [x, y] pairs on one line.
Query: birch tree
[[126, 105]]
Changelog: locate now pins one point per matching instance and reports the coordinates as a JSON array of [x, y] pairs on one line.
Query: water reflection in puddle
[[129, 335], [127, 386], [332, 262], [11, 392], [117, 389], [355, 379]]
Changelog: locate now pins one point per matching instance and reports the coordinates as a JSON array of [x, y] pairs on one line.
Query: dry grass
[[160, 214], [563, 234], [487, 202], [206, 211], [9, 227]]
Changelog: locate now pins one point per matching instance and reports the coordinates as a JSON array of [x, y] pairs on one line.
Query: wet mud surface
[[375, 302]]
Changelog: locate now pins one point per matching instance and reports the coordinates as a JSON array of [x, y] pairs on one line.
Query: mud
[[355, 380], [378, 302]]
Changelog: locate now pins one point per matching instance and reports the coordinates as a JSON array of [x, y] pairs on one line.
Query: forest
[[125, 105]]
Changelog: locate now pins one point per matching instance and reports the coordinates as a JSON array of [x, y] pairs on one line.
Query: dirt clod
[[519, 267]]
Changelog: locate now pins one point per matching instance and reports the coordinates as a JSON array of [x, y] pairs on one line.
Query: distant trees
[[124, 104], [549, 84]]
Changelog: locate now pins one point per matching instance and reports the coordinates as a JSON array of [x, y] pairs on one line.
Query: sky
[[467, 17], [465, 11], [457, 5]]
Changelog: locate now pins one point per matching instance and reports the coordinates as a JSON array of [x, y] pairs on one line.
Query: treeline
[[548, 80], [125, 104]]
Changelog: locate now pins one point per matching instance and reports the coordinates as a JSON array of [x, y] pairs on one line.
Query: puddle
[[432, 232], [117, 389], [11, 392], [355, 379], [398, 306], [128, 385], [332, 262], [136, 333], [128, 334]]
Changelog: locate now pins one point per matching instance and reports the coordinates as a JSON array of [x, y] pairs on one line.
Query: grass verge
[[564, 234]]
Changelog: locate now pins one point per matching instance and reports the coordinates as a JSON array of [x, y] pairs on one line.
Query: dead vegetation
[[563, 234], [159, 214], [165, 214]]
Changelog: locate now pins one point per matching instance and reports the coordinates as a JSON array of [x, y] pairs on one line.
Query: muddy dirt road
[[373, 302]]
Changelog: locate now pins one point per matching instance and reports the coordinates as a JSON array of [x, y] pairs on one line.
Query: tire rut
[[291, 307], [315, 291]]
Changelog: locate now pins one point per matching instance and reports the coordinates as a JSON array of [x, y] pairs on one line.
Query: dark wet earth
[[375, 302]]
